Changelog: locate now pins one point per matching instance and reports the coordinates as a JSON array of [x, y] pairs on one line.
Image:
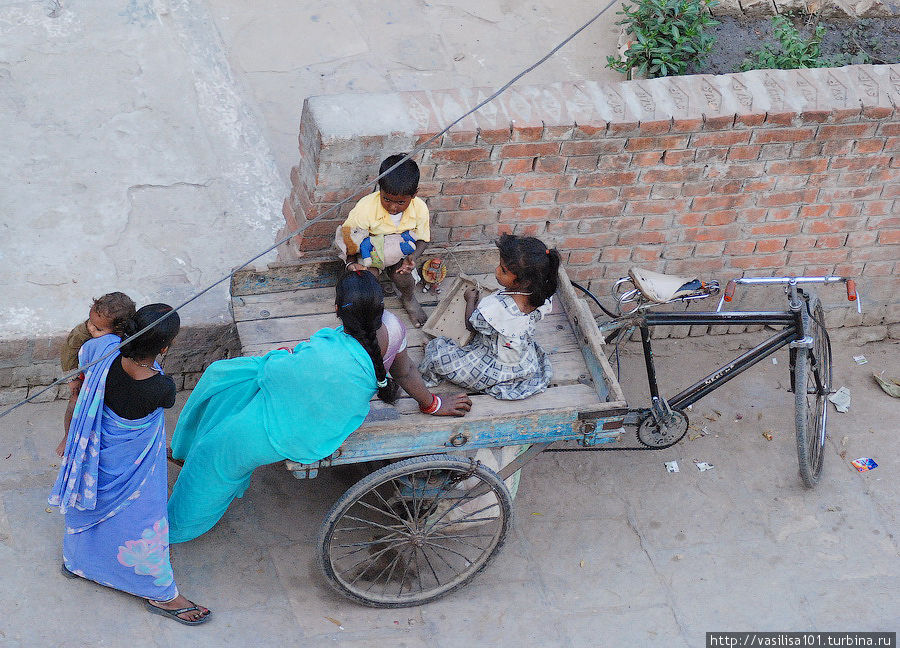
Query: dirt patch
[[866, 40]]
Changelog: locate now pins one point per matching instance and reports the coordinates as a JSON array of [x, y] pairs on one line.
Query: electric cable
[[330, 210]]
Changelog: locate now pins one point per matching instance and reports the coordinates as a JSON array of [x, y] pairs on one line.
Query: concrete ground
[[607, 548]]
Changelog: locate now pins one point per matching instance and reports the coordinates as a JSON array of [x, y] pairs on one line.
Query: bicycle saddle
[[662, 288]]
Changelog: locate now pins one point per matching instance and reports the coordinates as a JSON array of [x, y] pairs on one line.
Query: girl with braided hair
[[299, 405]]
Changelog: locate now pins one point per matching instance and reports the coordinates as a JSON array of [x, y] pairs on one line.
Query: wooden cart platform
[[584, 404]]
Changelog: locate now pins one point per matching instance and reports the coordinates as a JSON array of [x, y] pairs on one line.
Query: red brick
[[678, 156], [840, 115], [641, 254], [781, 118], [472, 154], [678, 251], [528, 182], [721, 122], [885, 175], [806, 149], [615, 254], [740, 170], [791, 182], [801, 243], [540, 197], [582, 163], [565, 196], [482, 169], [846, 131], [635, 193], [596, 147], [433, 188], [837, 147], [813, 211], [494, 136], [650, 158], [831, 241], [655, 127], [782, 213], [749, 152], [711, 154], [619, 162], [290, 220], [872, 145], [311, 243], [889, 237], [708, 203], [877, 208], [854, 179], [587, 131], [690, 219], [753, 215], [775, 151], [687, 125], [878, 269], [782, 135], [725, 138], [679, 174], [530, 133], [777, 198], [831, 225], [712, 248], [720, 218], [818, 256], [579, 242], [760, 261], [634, 238], [756, 185], [454, 187], [450, 170], [739, 247], [775, 229], [581, 257], [580, 212], [892, 144], [530, 213], [844, 210], [861, 239], [848, 269], [550, 164], [507, 199], [696, 267], [472, 233], [656, 206], [476, 201], [891, 191], [719, 233], [770, 245], [532, 149], [750, 120], [606, 179], [885, 253], [889, 128], [622, 128], [443, 203], [797, 167], [463, 218], [517, 165], [656, 222], [650, 143], [815, 116]]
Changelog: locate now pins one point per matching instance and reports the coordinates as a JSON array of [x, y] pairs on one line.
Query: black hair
[[534, 265], [402, 181], [360, 305], [157, 338], [118, 307]]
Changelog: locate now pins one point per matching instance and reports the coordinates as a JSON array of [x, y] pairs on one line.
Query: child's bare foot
[[407, 287], [415, 310]]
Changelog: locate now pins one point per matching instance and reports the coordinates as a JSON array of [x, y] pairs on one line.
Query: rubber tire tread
[[810, 474], [392, 471]]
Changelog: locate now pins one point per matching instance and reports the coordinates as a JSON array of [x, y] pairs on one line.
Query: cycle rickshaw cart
[[433, 517]]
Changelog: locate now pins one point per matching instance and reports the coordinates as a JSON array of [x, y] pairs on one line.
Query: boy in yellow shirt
[[396, 221]]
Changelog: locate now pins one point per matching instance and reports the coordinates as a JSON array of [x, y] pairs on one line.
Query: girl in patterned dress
[[503, 360]]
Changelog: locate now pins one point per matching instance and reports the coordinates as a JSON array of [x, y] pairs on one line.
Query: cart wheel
[[812, 384], [413, 531]]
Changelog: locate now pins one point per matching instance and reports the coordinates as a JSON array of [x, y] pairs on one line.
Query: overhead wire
[[71, 374]]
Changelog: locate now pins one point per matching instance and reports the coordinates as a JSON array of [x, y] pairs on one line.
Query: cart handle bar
[[732, 284]]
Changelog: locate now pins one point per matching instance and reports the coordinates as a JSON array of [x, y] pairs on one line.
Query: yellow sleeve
[[423, 223], [361, 215]]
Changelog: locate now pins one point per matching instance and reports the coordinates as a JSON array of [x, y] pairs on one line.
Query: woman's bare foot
[[180, 602]]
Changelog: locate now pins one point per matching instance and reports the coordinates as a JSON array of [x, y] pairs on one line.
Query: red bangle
[[434, 407]]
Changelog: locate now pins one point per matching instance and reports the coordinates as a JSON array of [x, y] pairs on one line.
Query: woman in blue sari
[[112, 482], [299, 405]]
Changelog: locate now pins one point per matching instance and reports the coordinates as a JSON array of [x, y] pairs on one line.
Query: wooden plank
[[401, 430], [322, 271], [554, 332], [590, 340]]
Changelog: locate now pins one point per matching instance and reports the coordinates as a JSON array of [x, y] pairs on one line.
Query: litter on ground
[[672, 466], [860, 359], [863, 464], [891, 386], [702, 466], [841, 399]]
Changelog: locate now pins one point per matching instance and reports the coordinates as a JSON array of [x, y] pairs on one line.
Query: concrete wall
[[759, 173]]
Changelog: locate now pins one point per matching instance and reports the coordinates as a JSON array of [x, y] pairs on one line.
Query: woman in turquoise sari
[[112, 480], [299, 405]]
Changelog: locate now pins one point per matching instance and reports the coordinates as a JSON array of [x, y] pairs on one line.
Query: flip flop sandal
[[171, 459], [173, 614], [68, 573]]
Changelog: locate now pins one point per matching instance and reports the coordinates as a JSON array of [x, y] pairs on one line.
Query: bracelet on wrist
[[434, 407]]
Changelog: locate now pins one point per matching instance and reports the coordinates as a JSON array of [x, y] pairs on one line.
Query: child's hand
[[471, 294], [454, 405], [406, 266], [61, 448], [355, 267], [75, 387]]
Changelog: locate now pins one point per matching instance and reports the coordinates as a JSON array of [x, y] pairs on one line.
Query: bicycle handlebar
[[851, 290], [728, 295]]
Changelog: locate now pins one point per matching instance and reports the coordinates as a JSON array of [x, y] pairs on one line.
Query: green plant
[[668, 35], [793, 50]]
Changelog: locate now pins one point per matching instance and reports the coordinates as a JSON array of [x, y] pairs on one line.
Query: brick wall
[[758, 173]]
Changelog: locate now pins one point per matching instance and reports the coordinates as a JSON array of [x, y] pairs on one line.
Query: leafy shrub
[[794, 51], [669, 35]]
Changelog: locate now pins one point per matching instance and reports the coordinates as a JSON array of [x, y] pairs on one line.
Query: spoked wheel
[[812, 385], [413, 531]]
